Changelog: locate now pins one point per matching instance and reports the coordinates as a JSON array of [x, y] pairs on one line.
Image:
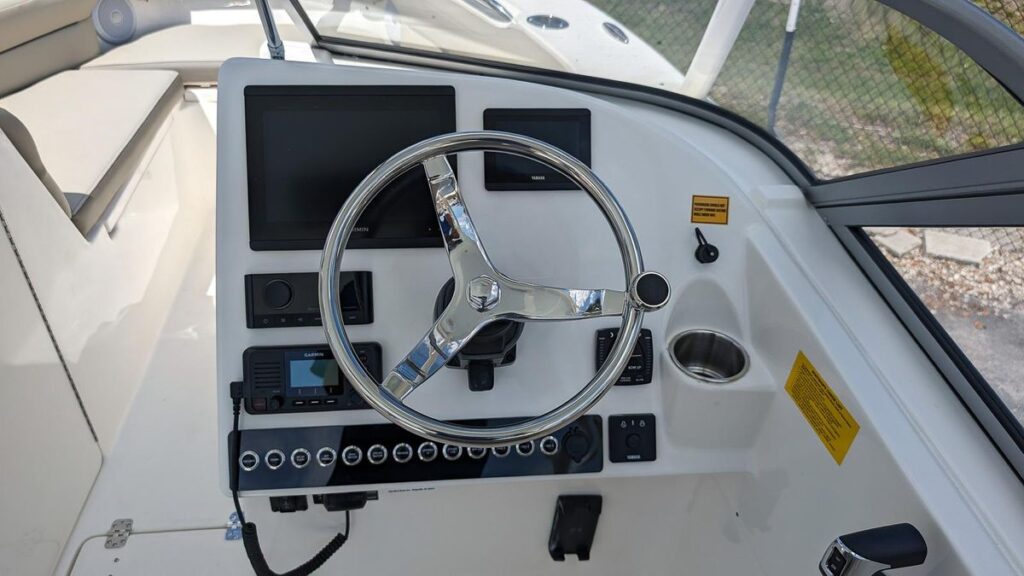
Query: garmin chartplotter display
[[308, 147]]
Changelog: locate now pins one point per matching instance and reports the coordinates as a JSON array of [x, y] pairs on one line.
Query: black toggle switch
[[706, 252]]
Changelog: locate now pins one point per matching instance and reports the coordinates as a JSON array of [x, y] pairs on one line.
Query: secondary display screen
[[565, 128], [308, 147], [306, 373]]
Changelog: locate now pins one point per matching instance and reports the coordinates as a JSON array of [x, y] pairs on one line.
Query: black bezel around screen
[[566, 128], [380, 121]]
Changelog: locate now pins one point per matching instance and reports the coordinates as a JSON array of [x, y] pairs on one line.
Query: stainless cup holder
[[709, 356]]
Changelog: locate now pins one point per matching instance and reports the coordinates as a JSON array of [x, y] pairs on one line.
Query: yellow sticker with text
[[822, 408], [709, 210]]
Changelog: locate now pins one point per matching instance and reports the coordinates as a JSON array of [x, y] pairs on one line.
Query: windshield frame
[[987, 41], [754, 134]]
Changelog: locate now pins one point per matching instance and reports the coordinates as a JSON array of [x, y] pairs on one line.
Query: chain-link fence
[[865, 87]]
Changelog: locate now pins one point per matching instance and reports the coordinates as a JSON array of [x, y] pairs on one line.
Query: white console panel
[[558, 238]]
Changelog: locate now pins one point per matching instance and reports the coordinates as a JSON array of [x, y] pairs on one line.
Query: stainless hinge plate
[[118, 534]]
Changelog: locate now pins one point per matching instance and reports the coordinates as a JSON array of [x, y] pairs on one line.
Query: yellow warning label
[[710, 210], [823, 410]]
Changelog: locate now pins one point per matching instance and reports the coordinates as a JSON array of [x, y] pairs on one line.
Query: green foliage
[[927, 79]]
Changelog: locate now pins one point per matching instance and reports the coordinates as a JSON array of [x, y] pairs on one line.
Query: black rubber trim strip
[[988, 172], [1012, 427], [46, 323]]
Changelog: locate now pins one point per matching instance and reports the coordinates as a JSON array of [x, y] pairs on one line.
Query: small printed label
[[710, 210], [822, 408]]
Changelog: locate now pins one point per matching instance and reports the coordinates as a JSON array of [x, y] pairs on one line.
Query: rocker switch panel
[[631, 438], [640, 368]]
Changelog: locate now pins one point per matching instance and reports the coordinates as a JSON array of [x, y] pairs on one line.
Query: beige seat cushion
[[194, 51], [42, 37], [92, 127], [24, 20]]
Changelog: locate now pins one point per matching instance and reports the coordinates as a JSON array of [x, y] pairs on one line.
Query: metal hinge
[[118, 534], [234, 531]]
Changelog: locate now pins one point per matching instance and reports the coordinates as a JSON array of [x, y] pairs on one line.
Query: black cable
[[250, 537]]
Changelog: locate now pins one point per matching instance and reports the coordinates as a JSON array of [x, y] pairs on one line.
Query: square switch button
[[631, 438]]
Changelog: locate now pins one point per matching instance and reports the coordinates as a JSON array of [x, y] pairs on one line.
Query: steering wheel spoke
[[524, 301], [455, 327], [465, 250]]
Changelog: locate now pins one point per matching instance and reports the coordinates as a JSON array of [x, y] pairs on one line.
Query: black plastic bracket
[[344, 501], [287, 504], [574, 526]]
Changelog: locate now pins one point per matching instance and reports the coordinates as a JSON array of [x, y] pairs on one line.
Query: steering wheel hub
[[484, 293]]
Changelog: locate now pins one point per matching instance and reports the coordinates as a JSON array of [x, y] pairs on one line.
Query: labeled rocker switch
[[631, 438]]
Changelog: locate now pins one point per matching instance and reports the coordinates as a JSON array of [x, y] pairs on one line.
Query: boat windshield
[[849, 86]]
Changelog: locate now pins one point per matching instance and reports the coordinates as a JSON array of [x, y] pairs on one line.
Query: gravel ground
[[981, 307]]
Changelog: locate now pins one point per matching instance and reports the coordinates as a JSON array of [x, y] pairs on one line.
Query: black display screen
[[565, 128], [308, 147]]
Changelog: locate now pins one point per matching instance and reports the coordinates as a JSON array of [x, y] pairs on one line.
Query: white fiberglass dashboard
[[305, 431]]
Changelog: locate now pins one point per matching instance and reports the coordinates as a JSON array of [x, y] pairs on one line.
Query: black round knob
[[275, 403], [651, 290], [577, 444], [633, 441], [277, 294]]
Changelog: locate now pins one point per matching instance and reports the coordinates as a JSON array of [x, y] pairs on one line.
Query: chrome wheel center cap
[[483, 293]]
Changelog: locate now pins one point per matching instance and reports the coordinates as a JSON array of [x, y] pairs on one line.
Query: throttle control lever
[[869, 552]]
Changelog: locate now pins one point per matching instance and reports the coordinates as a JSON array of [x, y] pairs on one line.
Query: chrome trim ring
[[549, 450], [241, 459], [514, 300], [397, 457], [525, 448], [326, 450], [298, 451], [380, 448], [706, 375], [352, 450], [501, 451], [266, 458], [453, 457], [423, 454]]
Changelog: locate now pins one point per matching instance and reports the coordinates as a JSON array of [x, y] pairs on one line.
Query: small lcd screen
[[308, 147], [565, 128], [322, 373]]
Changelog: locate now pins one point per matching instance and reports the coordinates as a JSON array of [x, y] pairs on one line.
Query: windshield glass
[[849, 85]]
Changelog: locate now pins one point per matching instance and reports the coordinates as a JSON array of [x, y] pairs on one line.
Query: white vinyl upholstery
[[25, 20], [194, 51], [91, 128]]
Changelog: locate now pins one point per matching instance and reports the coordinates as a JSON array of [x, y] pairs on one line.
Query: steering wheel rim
[[483, 291]]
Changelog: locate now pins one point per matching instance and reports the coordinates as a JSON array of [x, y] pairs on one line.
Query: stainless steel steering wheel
[[482, 293]]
